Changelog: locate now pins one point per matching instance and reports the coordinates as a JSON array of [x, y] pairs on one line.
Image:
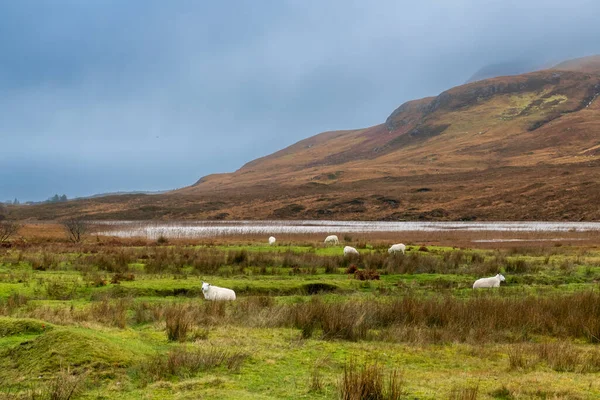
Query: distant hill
[[522, 147], [503, 69], [584, 64], [94, 196]]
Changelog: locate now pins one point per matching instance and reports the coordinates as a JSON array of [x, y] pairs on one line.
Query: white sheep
[[396, 248], [272, 240], [492, 282], [350, 250], [332, 239], [217, 293]]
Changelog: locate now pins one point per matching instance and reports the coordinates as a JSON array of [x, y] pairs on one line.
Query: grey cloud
[[144, 95]]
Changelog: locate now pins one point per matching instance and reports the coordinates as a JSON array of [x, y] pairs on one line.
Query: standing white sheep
[[217, 293], [332, 239], [396, 248], [350, 250], [492, 282], [272, 240]]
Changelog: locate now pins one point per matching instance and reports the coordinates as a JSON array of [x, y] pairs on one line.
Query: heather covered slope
[[545, 117]]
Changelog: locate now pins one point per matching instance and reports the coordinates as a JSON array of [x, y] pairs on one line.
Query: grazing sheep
[[396, 248], [332, 239], [272, 240], [217, 293], [492, 282], [350, 250]]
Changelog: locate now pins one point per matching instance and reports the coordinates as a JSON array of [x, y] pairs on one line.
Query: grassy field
[[126, 319]]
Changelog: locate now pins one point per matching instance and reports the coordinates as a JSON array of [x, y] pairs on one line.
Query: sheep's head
[[501, 277], [205, 286]]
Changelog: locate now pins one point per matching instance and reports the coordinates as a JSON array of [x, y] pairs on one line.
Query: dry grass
[[183, 362], [464, 393], [179, 322], [560, 356], [447, 319], [112, 313], [369, 381], [64, 386]]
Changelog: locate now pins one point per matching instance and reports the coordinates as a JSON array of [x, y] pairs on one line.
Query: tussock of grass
[[179, 321], [182, 362], [369, 381]]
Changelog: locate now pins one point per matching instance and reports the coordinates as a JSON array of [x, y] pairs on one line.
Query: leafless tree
[[76, 229], [8, 229]]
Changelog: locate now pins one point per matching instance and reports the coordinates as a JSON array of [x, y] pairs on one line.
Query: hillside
[[512, 147]]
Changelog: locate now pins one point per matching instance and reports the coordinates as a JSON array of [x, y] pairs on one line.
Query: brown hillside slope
[[542, 117], [518, 147]]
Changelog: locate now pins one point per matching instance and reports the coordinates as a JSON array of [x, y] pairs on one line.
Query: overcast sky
[[111, 95]]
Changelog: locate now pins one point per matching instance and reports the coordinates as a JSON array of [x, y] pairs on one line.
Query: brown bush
[[351, 269], [118, 277], [366, 275]]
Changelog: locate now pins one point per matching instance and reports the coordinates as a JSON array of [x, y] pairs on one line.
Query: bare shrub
[[8, 229], [76, 229]]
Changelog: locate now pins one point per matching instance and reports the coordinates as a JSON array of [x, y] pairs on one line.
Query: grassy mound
[[22, 326], [75, 348]]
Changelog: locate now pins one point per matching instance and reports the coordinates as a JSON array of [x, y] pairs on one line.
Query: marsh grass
[[184, 362], [370, 381], [447, 319], [112, 313], [179, 322], [560, 356]]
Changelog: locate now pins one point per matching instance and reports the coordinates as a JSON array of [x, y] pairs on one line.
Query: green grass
[[42, 333]]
